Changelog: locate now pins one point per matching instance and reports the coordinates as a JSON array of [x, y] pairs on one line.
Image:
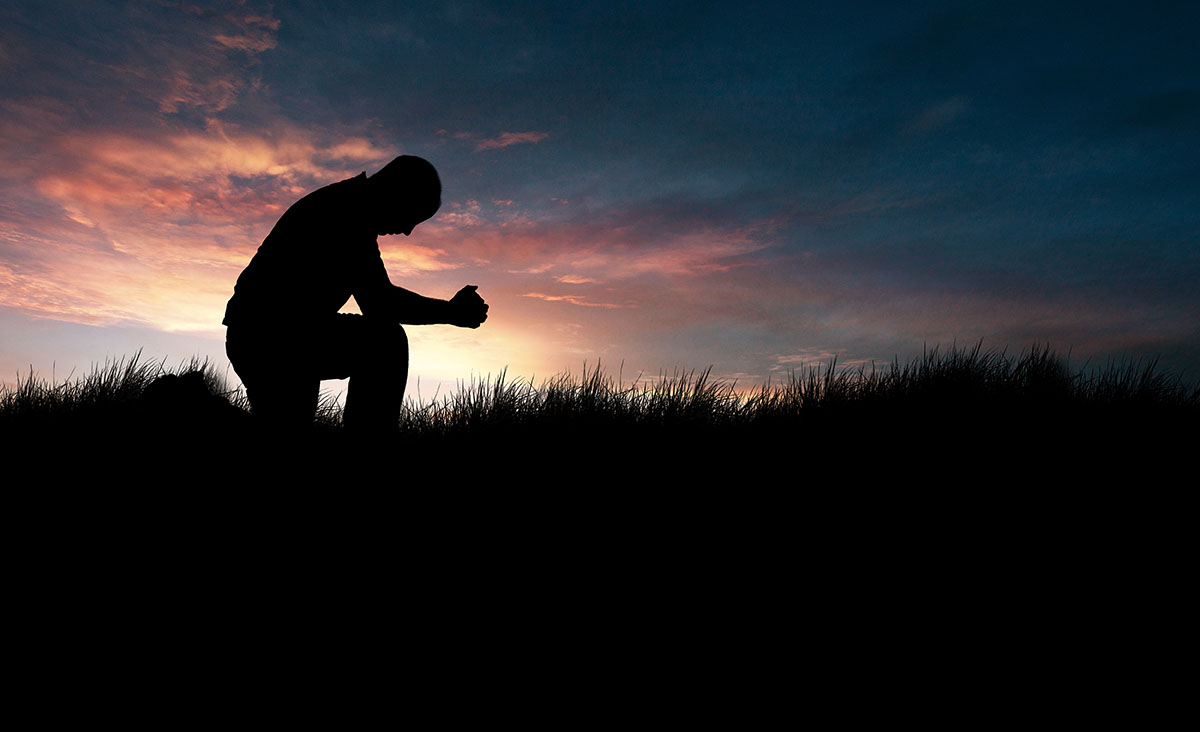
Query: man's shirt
[[320, 252]]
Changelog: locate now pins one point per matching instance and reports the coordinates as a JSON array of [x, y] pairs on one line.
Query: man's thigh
[[333, 348], [347, 345]]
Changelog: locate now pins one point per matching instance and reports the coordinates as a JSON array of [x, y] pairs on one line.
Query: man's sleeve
[[369, 283], [377, 297]]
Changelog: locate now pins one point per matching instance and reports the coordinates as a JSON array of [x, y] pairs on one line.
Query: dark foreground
[[949, 548]]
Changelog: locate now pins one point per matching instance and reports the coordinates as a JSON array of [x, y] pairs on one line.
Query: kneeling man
[[284, 331]]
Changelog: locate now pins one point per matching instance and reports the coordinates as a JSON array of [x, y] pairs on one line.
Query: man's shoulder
[[345, 185], [335, 206], [349, 189]]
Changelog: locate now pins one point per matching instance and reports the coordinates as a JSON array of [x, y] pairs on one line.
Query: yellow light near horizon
[[449, 354]]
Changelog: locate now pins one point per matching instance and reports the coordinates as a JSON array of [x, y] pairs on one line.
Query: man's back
[[311, 262]]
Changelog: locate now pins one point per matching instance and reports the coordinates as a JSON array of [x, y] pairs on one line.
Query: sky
[[753, 187]]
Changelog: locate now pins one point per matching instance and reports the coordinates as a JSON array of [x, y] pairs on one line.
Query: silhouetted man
[[284, 331]]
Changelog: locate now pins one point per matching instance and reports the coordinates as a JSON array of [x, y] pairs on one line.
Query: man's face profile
[[398, 210], [404, 193], [400, 221], [400, 225]]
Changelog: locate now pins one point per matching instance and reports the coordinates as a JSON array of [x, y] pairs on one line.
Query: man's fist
[[467, 308]]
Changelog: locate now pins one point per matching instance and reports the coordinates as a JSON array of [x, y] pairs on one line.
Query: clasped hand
[[467, 308]]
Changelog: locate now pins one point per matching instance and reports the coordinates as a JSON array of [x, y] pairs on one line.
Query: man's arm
[[378, 297]]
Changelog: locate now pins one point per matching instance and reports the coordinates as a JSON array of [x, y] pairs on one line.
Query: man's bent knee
[[389, 339], [398, 338]]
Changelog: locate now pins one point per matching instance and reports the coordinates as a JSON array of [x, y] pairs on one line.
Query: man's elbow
[[375, 307]]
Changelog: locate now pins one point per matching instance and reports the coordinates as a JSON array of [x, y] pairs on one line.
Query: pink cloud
[[574, 300], [536, 269], [818, 358], [407, 259], [591, 250], [153, 229], [192, 174], [510, 138], [244, 43]]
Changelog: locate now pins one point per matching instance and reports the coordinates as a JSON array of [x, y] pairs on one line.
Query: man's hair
[[413, 179]]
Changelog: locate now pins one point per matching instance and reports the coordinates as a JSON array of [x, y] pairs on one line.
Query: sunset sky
[[755, 187]]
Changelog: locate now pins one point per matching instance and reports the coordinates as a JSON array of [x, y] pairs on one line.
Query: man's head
[[404, 193]]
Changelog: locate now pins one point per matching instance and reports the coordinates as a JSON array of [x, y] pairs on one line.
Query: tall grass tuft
[[110, 387], [960, 407], [594, 400]]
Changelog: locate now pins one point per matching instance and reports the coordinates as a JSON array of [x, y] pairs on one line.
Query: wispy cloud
[[505, 139], [536, 269], [410, 259], [256, 34], [602, 245], [816, 358], [570, 279], [220, 174], [573, 300], [152, 227]]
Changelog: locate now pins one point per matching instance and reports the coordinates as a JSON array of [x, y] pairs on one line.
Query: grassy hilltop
[[965, 495], [953, 408]]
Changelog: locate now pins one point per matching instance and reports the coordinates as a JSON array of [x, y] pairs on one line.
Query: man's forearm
[[409, 308], [398, 305]]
